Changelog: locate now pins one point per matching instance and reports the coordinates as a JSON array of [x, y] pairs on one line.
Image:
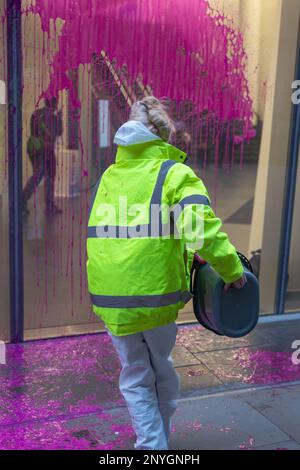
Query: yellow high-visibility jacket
[[139, 258]]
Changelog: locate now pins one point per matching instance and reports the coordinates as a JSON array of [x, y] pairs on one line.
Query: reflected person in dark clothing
[[45, 127], [181, 137]]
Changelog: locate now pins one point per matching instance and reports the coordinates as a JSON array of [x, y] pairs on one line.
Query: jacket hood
[[134, 132], [134, 140]]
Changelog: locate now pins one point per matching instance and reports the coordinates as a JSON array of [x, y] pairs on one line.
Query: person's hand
[[238, 284]]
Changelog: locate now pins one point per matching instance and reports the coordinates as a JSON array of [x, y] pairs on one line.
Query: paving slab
[[258, 365], [183, 357], [204, 340], [288, 445], [197, 379], [111, 430], [224, 423], [281, 406]]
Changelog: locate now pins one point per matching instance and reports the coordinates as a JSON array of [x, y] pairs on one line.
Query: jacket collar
[[136, 141], [154, 149]]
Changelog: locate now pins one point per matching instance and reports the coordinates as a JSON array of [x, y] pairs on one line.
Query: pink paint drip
[[201, 59]]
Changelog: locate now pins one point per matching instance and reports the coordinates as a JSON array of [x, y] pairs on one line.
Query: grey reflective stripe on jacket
[[134, 301], [151, 229]]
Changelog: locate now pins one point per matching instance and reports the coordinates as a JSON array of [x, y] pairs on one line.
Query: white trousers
[[149, 383]]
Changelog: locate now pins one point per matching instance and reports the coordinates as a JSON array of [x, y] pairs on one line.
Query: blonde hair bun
[[151, 112]]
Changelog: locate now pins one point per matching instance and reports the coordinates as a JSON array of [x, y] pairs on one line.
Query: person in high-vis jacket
[[150, 214]]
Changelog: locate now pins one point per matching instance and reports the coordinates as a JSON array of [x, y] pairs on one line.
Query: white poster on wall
[[2, 92], [104, 123]]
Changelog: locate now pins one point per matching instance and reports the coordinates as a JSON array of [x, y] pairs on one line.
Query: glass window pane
[[56, 190], [226, 83], [293, 286], [248, 187]]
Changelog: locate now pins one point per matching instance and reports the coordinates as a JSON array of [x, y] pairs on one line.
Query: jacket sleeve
[[199, 227]]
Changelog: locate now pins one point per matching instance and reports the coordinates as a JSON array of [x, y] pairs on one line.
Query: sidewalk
[[258, 418], [236, 393]]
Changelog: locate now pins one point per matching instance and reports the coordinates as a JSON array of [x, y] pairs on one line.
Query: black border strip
[[14, 95]]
